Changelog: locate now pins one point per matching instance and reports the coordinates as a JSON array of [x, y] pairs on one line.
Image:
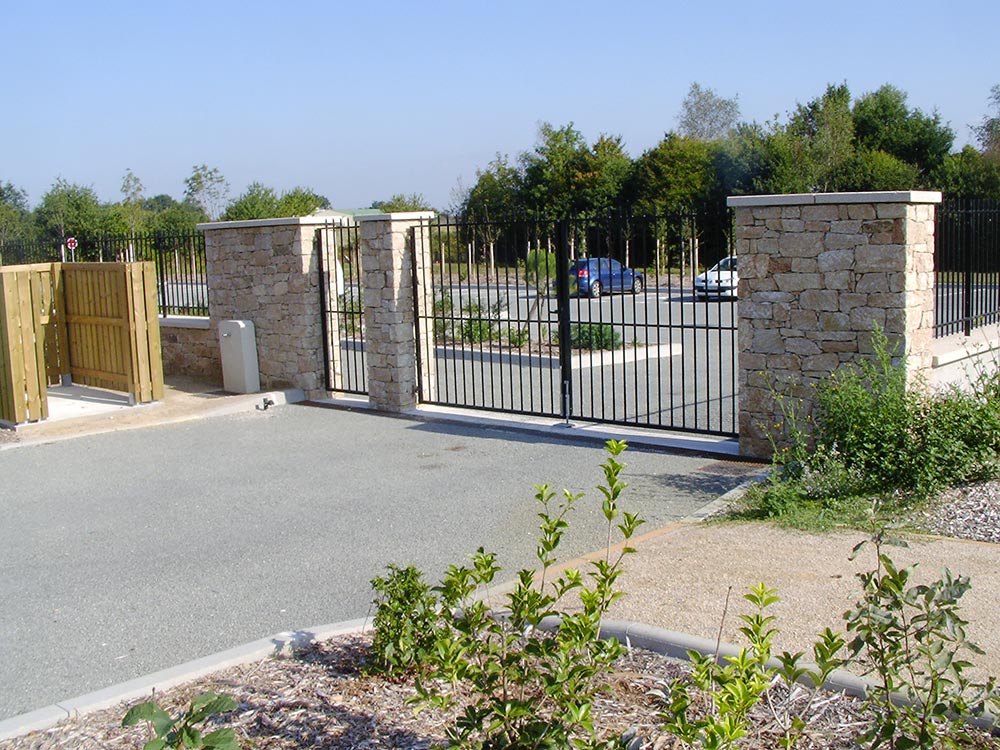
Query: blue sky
[[363, 100]]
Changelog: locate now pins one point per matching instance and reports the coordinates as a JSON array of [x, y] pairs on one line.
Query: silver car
[[721, 280]]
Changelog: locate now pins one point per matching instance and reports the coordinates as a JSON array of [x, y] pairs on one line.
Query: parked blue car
[[594, 276]]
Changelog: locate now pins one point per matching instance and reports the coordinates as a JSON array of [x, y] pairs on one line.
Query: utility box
[[238, 346]]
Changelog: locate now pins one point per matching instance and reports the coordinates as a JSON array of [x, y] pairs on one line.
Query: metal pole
[[562, 310]]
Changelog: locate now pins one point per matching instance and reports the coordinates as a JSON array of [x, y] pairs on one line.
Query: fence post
[[394, 250], [818, 273]]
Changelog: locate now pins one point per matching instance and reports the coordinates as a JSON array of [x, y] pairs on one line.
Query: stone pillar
[[267, 271], [392, 248], [818, 272]]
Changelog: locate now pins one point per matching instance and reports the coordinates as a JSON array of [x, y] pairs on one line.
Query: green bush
[[593, 336], [874, 435], [531, 687], [477, 330], [405, 622]]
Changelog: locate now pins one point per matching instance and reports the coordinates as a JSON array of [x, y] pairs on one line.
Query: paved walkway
[[132, 550]]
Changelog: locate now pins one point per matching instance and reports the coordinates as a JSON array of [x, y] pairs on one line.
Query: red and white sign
[[71, 243]]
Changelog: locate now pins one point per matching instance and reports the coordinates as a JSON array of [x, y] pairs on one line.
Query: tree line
[[69, 209], [833, 142]]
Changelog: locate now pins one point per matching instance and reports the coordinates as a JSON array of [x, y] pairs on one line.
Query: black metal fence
[[182, 284], [967, 265], [514, 325], [343, 308]]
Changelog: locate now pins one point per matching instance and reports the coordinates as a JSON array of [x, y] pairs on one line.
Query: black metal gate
[[339, 252], [585, 318]]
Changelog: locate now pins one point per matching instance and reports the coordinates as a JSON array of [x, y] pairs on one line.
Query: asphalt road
[[125, 553]]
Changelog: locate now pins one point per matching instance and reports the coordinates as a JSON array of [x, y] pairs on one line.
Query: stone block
[[842, 281], [862, 211], [867, 318], [840, 259], [798, 282], [883, 258], [821, 213], [802, 245], [834, 321], [819, 300], [767, 342], [802, 346], [804, 265], [891, 210]]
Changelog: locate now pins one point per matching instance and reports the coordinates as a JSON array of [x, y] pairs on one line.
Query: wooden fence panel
[[96, 322], [26, 314]]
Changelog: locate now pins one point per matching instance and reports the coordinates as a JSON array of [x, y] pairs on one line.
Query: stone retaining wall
[[190, 347], [818, 273]]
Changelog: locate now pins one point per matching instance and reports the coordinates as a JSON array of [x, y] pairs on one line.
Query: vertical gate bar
[[562, 309], [967, 257], [324, 291]]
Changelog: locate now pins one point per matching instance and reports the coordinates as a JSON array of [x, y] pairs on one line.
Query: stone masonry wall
[[818, 273], [190, 351], [267, 272]]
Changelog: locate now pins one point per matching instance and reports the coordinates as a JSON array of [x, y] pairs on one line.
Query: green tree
[[496, 192], [679, 172], [177, 218], [495, 195], [604, 170], [400, 203], [988, 131], [822, 133], [208, 188], [300, 201], [68, 209], [132, 202], [14, 216], [257, 202], [706, 116], [968, 174], [884, 122], [878, 170], [552, 172]]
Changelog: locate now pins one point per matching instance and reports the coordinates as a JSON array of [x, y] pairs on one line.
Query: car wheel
[[637, 285], [595, 289]]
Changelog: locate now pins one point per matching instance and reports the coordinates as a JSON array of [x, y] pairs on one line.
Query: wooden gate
[[92, 323]]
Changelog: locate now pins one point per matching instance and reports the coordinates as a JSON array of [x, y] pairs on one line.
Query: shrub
[[876, 435], [405, 622], [594, 336], [531, 687], [911, 639]]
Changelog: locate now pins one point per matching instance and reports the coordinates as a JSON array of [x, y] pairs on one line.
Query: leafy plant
[[910, 639], [405, 622], [734, 685], [181, 732], [594, 336], [874, 435], [532, 687], [517, 337]]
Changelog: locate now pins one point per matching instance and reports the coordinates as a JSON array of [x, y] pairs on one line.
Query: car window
[[727, 264]]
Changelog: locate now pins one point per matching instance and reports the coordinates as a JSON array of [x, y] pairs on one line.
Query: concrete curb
[[234, 404], [584, 432]]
